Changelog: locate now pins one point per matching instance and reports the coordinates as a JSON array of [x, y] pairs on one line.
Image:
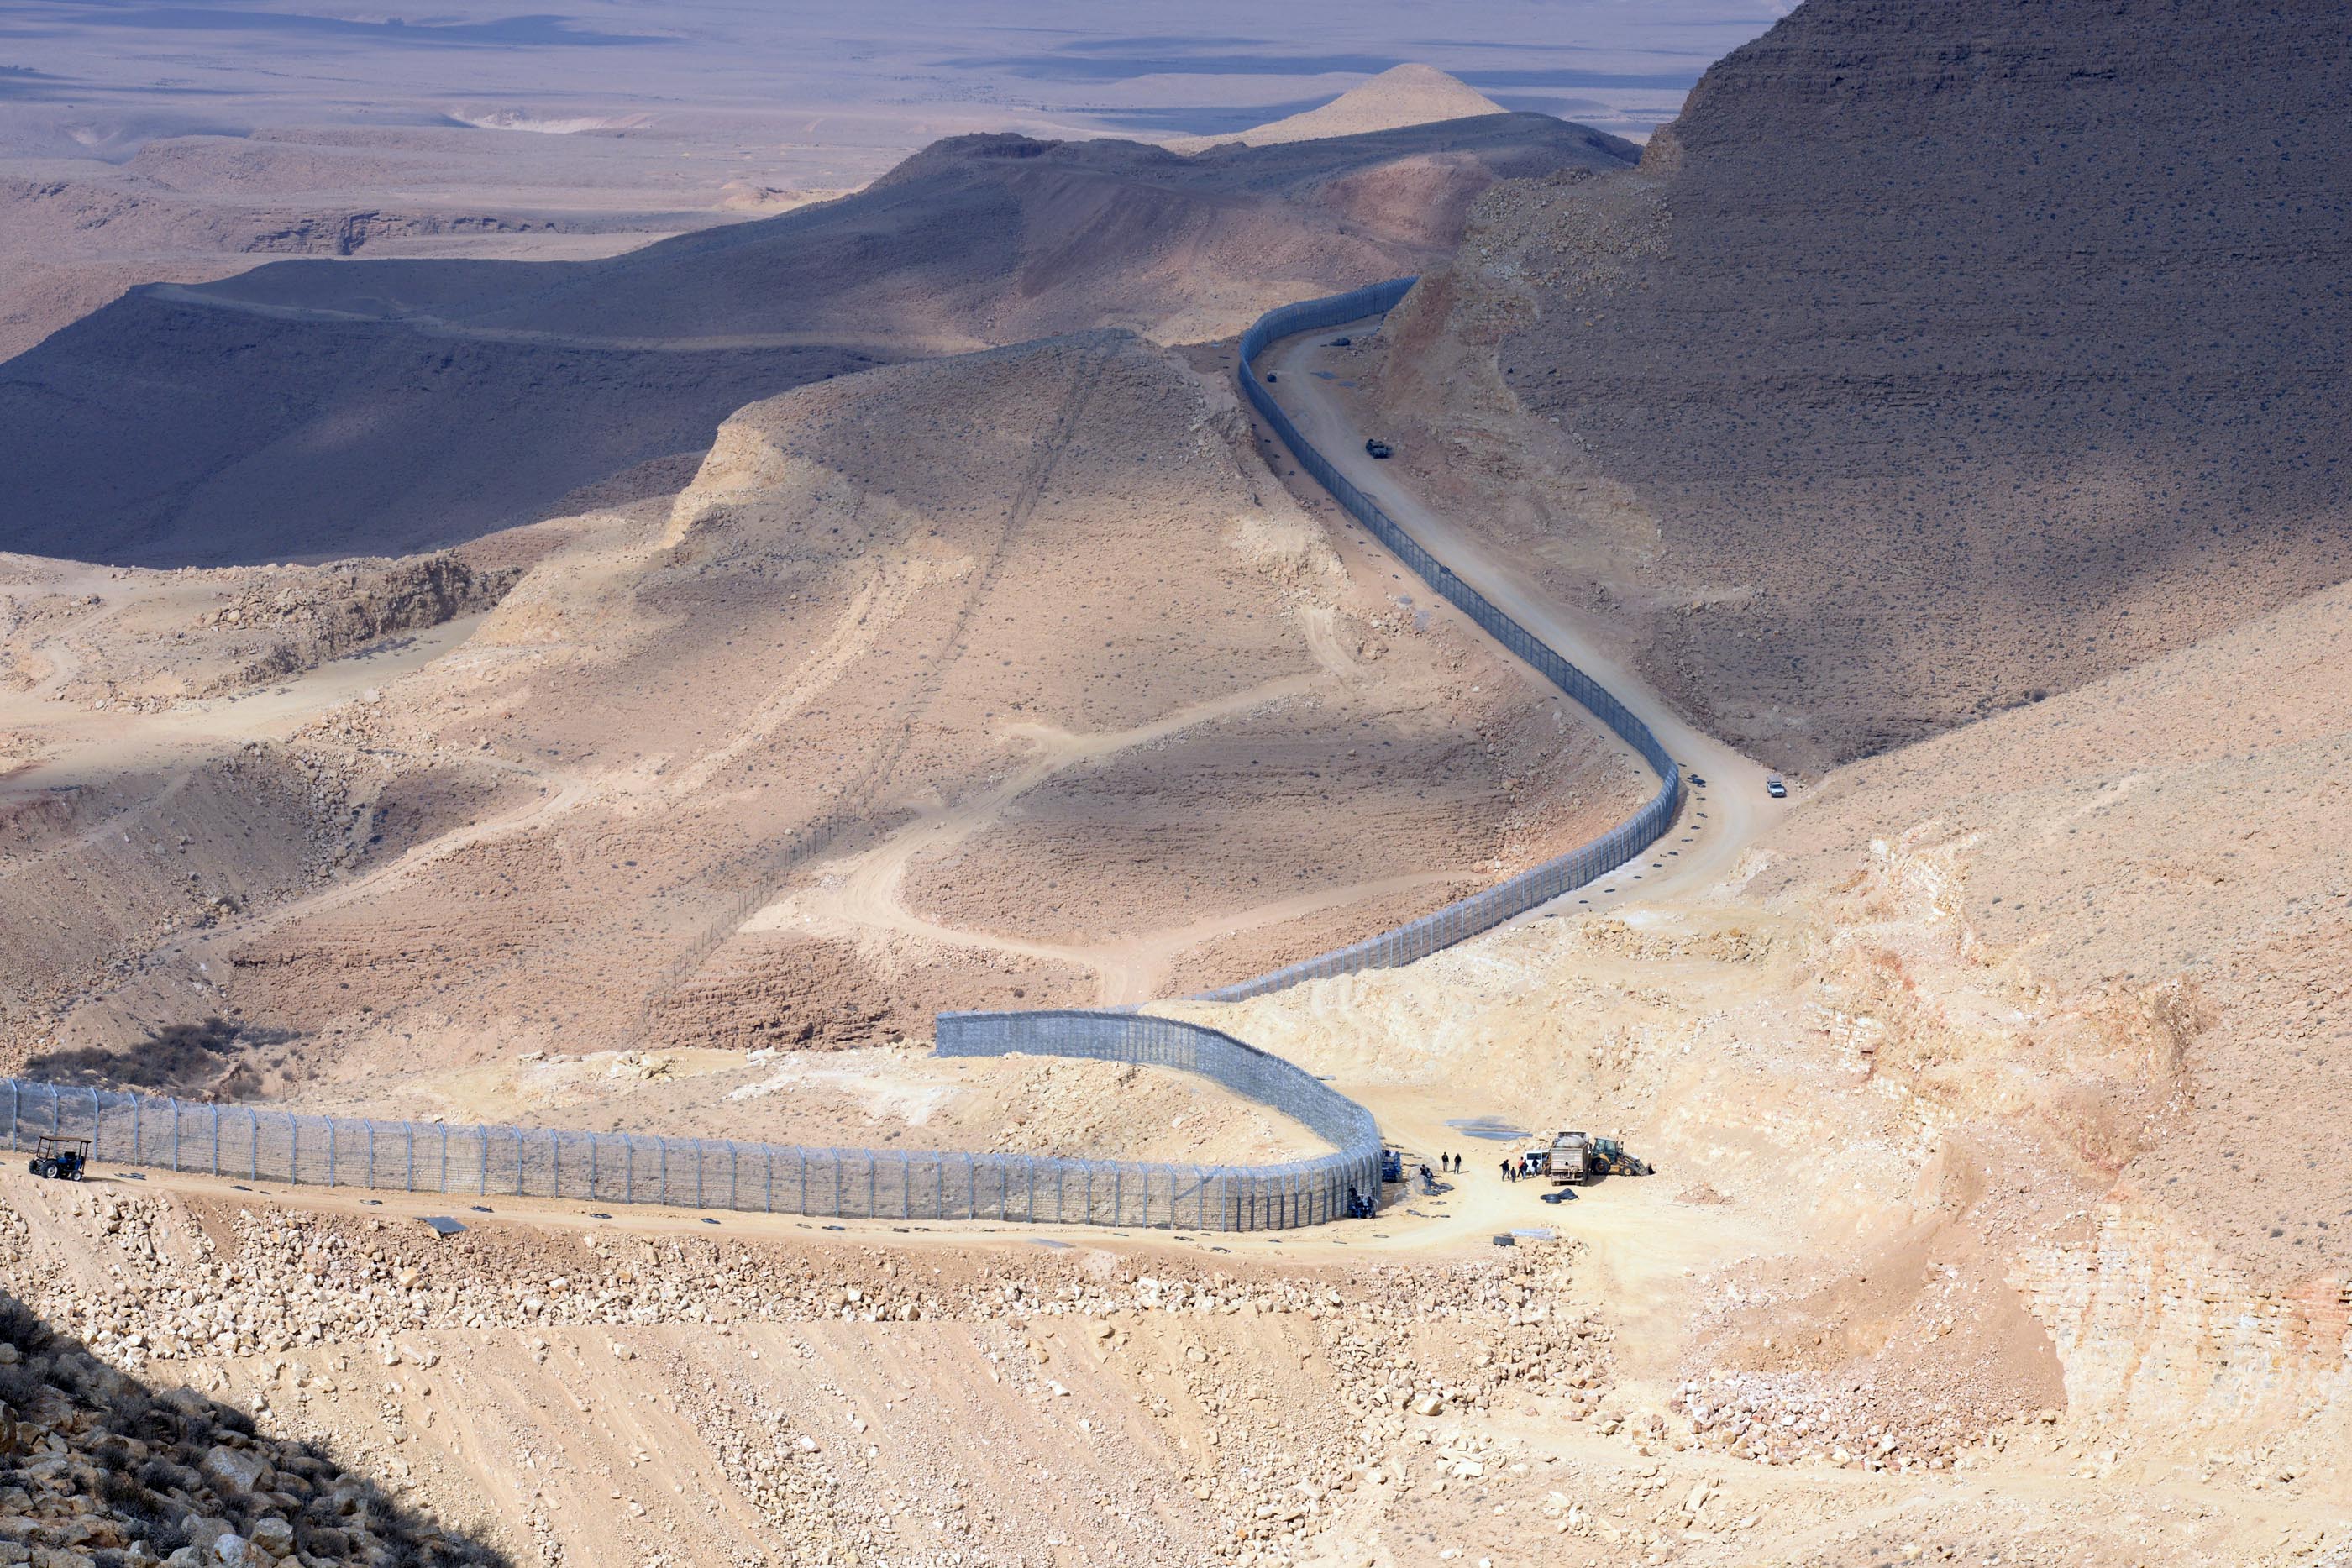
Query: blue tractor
[[59, 1159]]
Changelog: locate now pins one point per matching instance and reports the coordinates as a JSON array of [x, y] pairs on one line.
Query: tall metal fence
[[1442, 928], [257, 1144], [254, 1143]]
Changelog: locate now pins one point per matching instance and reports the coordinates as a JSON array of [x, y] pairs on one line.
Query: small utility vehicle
[[1380, 448], [59, 1159]]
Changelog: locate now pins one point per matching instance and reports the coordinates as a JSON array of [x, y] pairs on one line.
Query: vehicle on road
[[1776, 786], [1379, 448], [59, 1159], [1341, 342]]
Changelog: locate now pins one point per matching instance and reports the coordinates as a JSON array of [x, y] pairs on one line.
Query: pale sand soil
[[894, 1098]]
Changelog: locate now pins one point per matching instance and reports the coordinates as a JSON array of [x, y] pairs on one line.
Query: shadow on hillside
[[175, 1469]]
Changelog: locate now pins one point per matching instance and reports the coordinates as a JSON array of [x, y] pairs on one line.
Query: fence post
[[332, 1122], [595, 1142], [518, 1133], [93, 1122], [445, 1158], [15, 1104], [554, 1163], [135, 1099], [906, 1189], [768, 1168], [698, 1172], [176, 1133], [664, 1168], [629, 1168], [482, 1164], [408, 1131]]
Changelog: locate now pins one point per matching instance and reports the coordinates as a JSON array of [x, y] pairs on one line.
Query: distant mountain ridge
[[303, 411], [1399, 97]]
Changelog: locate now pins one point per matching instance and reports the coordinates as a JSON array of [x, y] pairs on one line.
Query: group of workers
[[1524, 1167]]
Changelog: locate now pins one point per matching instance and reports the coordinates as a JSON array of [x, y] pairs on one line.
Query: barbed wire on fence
[[257, 1144]]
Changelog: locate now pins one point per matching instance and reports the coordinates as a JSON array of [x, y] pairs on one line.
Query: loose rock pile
[[98, 1470]]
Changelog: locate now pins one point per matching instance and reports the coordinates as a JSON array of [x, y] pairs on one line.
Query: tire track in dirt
[[817, 837], [869, 895]]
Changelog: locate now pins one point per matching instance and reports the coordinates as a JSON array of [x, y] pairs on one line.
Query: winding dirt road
[[1727, 807]]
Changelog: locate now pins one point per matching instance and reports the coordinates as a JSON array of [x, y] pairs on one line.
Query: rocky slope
[[100, 1467], [1939, 358]]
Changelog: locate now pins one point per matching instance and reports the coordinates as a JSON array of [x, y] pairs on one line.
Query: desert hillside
[[1938, 358], [2002, 1081], [636, 694], [1011, 676], [303, 411]]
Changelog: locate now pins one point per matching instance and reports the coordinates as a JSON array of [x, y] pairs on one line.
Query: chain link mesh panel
[[254, 1144]]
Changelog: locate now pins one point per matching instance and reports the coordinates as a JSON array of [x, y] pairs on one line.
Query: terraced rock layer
[[1942, 355]]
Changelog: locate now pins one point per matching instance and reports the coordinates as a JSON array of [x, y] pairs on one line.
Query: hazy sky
[[1203, 65]]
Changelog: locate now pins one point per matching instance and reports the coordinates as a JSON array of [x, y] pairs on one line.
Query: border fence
[[1442, 928], [257, 1144], [260, 1145]]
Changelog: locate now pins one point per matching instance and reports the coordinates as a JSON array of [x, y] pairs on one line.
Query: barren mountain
[[307, 409], [1400, 95], [1938, 358]]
